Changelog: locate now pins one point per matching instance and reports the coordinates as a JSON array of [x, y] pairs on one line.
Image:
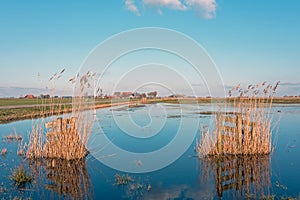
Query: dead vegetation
[[65, 137], [3, 151], [246, 129], [13, 137]]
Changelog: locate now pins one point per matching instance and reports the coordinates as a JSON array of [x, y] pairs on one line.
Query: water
[[148, 133]]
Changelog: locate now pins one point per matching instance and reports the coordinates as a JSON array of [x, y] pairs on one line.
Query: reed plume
[[246, 129]]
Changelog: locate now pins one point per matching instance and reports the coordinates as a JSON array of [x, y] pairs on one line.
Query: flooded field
[[149, 153]]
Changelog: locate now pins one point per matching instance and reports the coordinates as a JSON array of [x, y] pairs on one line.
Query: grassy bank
[[46, 107], [34, 101], [43, 108]]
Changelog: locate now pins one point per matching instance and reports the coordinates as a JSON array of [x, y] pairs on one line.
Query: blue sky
[[250, 40]]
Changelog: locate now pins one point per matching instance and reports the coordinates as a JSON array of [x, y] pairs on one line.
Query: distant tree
[[143, 95], [118, 94], [152, 94]]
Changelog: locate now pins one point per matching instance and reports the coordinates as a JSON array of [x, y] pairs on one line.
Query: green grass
[[35, 101], [64, 106], [14, 114], [20, 177]]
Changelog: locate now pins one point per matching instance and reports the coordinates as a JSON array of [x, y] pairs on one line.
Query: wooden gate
[[63, 140], [234, 134]]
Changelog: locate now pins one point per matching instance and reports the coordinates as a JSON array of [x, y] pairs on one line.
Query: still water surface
[[149, 129]]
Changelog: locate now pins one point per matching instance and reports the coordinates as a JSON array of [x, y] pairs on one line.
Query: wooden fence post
[[73, 124], [59, 124], [239, 126], [219, 139]]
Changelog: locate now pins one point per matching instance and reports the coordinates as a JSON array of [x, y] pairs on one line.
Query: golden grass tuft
[[246, 129], [65, 138]]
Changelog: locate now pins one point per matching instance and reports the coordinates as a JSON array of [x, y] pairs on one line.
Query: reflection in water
[[68, 179], [238, 176]]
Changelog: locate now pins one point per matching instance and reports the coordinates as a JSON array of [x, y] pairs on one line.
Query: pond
[[149, 153]]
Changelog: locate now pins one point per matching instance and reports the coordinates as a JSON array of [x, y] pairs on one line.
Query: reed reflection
[[68, 179], [245, 176]]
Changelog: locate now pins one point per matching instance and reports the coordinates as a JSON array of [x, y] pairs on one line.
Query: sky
[[249, 41]]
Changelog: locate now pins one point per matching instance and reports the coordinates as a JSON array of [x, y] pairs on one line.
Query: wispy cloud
[[171, 4], [205, 8], [130, 5]]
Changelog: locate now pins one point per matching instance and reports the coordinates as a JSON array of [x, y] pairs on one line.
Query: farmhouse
[[29, 96]]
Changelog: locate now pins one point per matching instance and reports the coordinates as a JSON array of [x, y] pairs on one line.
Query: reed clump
[[63, 141], [67, 135], [246, 128]]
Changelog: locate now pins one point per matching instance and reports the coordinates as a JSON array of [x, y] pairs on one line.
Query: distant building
[[29, 96], [176, 96], [117, 94], [126, 94], [67, 97], [44, 96]]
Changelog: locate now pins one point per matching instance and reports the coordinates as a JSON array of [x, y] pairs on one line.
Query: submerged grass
[[123, 179], [20, 177], [3, 151]]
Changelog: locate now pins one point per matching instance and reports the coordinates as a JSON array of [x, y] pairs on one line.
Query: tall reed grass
[[246, 129], [67, 135]]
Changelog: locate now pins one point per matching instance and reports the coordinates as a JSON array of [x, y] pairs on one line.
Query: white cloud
[[206, 8], [172, 4], [130, 5]]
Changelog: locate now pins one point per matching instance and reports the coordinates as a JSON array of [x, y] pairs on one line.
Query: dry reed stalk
[[67, 138], [20, 151], [36, 140], [251, 132], [4, 151]]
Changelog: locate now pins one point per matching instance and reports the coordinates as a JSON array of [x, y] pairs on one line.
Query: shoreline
[[13, 118], [12, 113]]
